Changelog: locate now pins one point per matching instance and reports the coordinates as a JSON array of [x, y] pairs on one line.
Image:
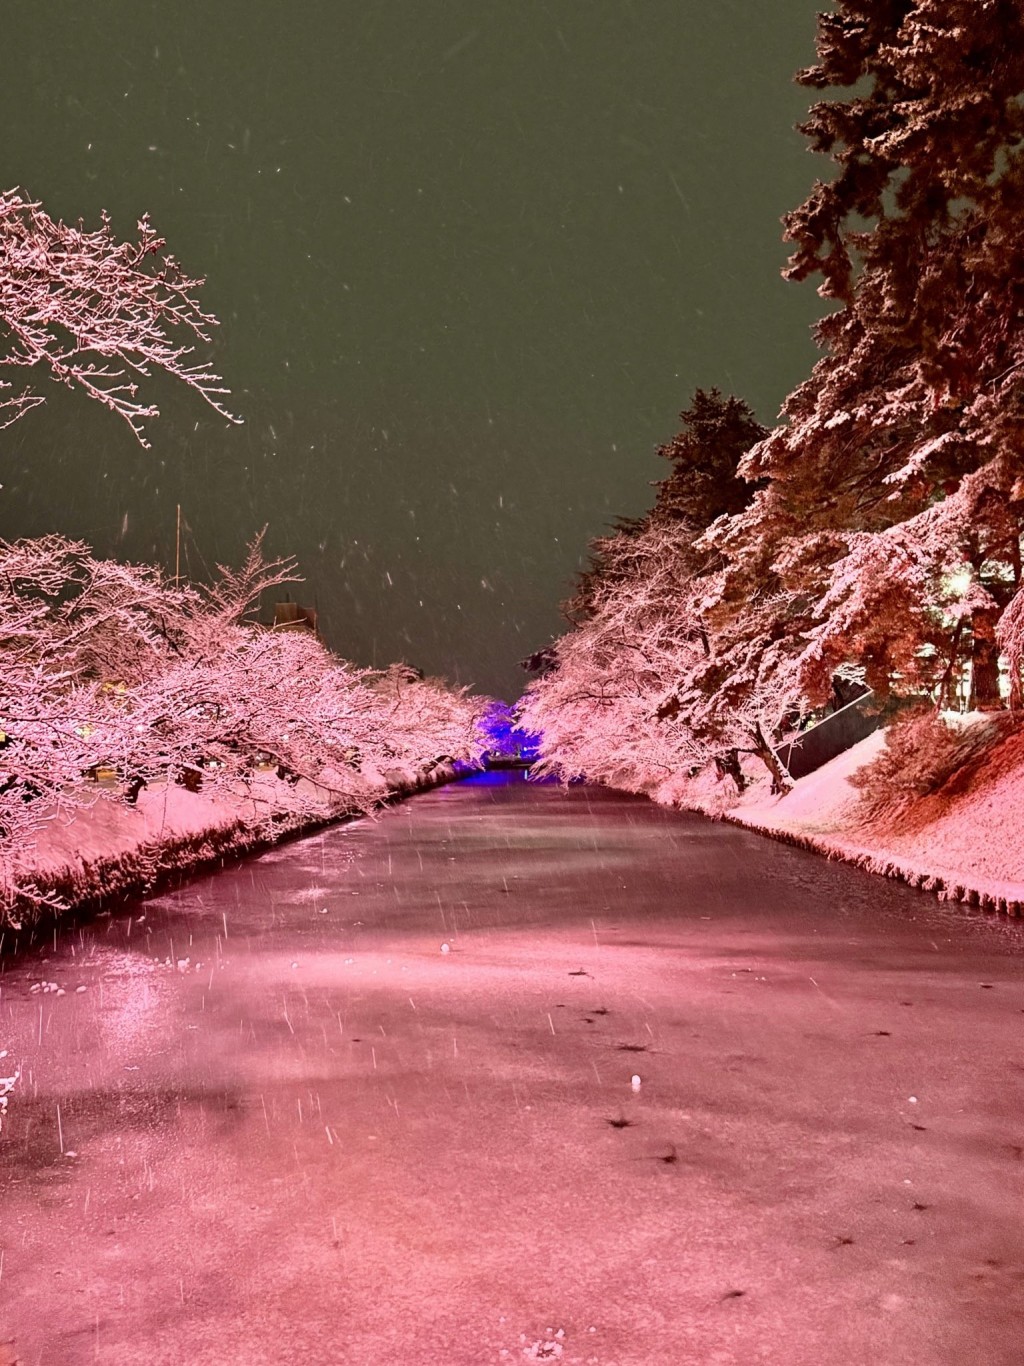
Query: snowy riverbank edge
[[955, 885], [111, 852], [964, 846]]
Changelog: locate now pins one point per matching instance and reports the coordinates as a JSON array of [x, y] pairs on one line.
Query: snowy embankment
[[110, 849], [966, 845]]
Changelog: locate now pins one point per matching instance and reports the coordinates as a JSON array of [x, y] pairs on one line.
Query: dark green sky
[[471, 258]]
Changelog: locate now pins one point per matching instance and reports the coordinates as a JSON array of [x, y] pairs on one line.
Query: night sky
[[471, 259]]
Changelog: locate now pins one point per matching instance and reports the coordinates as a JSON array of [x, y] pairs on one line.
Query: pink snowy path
[[279, 1124]]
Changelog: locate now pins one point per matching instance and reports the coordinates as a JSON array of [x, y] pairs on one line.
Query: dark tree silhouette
[[715, 434], [704, 485]]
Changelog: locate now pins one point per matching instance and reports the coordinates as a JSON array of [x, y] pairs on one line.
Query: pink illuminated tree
[[599, 711], [715, 434], [641, 691], [96, 314], [422, 721], [645, 686], [116, 667]]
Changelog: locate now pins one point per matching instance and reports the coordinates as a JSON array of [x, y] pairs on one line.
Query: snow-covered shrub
[[923, 752]]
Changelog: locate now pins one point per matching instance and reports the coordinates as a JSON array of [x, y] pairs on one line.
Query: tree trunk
[[728, 765], [781, 781], [1016, 698], [190, 778], [985, 660], [946, 685]]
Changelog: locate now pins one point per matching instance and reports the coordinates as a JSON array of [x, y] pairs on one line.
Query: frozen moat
[[513, 1074]]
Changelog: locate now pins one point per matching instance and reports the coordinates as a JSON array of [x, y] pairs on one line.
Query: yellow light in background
[[959, 582]]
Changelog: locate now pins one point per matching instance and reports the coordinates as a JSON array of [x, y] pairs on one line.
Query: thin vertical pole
[[177, 550]]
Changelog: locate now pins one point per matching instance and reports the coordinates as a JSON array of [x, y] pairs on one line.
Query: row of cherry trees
[[877, 530], [656, 677], [114, 667]]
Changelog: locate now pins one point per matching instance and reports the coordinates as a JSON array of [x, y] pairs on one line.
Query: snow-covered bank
[[109, 849], [966, 845]]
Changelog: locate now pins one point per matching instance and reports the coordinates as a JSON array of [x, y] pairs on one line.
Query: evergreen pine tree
[[890, 524]]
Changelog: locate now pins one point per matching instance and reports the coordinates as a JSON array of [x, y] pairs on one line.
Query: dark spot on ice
[[620, 1123], [733, 1295], [579, 973], [587, 1020], [919, 1206], [602, 1011], [906, 1003], [632, 1048], [986, 986], [883, 1034], [920, 1128], [844, 1242], [671, 1155]]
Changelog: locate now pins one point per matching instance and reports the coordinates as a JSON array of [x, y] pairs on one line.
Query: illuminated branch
[[97, 314]]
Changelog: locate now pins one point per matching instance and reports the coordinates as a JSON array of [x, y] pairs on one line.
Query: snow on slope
[[965, 845], [110, 849]]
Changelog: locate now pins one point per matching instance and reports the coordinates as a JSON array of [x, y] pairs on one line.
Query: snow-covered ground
[[964, 845], [110, 849]]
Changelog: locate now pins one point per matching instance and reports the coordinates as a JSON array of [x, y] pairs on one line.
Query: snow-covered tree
[[96, 314], [276, 698], [891, 519], [605, 710], [107, 666], [706, 453], [644, 686], [423, 721], [715, 434]]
